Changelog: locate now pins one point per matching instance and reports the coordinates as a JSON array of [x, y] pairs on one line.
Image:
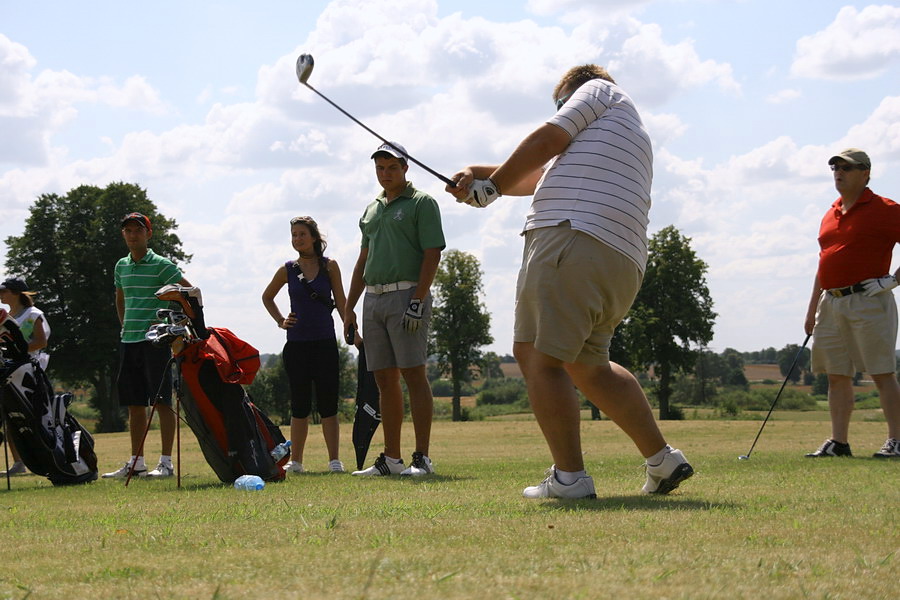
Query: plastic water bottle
[[281, 450], [249, 482]]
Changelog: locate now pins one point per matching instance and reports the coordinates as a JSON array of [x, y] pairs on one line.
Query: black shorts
[[309, 363], [143, 378]]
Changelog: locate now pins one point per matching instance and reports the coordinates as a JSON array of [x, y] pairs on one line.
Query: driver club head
[[305, 64]]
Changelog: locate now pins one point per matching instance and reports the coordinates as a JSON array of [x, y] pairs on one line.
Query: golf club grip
[[364, 126]]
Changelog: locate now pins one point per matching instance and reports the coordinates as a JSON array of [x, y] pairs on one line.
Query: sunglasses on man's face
[[846, 168], [562, 100]]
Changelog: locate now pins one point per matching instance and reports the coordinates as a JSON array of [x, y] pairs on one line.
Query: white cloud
[[654, 71], [783, 96], [856, 45]]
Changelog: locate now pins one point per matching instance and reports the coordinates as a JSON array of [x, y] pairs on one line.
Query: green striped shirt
[[139, 282]]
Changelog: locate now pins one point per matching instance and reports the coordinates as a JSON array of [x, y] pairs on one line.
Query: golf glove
[[481, 193], [413, 316], [877, 285]]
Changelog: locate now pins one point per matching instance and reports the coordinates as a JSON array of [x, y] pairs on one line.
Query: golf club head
[[305, 64], [743, 457]]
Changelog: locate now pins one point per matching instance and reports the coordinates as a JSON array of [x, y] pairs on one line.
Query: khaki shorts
[[387, 344], [572, 292], [856, 333]]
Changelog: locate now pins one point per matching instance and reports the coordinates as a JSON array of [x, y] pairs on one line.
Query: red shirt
[[858, 245]]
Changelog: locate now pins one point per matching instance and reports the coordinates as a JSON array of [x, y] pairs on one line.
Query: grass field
[[776, 526]]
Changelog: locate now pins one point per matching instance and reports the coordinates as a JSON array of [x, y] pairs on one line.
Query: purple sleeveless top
[[314, 320]]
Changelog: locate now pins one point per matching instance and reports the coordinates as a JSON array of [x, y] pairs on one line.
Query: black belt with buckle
[[846, 291]]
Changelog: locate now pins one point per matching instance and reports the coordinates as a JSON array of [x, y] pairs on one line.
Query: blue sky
[[198, 103]]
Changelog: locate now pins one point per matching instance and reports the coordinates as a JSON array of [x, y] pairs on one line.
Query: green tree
[[67, 254], [785, 359], [461, 324], [490, 366], [672, 312]]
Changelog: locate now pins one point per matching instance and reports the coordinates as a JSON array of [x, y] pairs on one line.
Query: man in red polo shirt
[[852, 314]]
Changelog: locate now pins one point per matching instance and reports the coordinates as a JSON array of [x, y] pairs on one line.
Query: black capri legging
[[308, 363]]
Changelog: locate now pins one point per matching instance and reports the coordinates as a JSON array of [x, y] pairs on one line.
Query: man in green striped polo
[[143, 377]]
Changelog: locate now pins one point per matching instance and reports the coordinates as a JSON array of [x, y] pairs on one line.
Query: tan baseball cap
[[854, 156]]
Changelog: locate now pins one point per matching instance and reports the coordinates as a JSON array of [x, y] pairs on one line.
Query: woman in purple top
[[310, 354]]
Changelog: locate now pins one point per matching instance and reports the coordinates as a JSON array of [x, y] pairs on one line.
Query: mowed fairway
[[776, 526]]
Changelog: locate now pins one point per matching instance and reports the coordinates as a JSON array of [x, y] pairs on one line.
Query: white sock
[[138, 464], [167, 460], [656, 459], [569, 477], [393, 461]]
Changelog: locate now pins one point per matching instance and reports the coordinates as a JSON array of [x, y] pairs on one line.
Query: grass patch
[[777, 526]]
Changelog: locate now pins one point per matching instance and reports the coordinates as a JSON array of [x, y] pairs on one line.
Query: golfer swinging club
[[584, 259]]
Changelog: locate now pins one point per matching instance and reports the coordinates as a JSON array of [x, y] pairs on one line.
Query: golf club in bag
[[235, 436], [305, 64], [777, 396], [50, 441]]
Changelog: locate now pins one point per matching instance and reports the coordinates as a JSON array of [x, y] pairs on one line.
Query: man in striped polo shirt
[[143, 377], [589, 168]]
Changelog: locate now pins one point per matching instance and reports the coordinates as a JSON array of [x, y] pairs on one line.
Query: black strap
[[328, 302]]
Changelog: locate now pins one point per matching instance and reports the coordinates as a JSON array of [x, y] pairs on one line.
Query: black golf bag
[[50, 441], [235, 436]]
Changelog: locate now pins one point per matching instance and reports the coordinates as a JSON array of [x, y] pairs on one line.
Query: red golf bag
[[235, 436]]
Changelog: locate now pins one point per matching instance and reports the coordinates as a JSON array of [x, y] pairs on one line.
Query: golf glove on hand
[[481, 193], [879, 284], [413, 316]]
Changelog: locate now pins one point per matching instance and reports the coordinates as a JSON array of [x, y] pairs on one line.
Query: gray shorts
[[387, 344], [572, 292], [855, 333]]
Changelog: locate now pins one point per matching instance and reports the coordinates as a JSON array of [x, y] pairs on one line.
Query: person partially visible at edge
[[401, 246], [852, 315], [144, 376], [310, 355], [583, 262], [33, 324]]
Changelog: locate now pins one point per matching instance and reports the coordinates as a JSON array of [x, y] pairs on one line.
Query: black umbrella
[[368, 409]]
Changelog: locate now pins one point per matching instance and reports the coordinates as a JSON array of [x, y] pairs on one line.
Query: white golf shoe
[[552, 488]]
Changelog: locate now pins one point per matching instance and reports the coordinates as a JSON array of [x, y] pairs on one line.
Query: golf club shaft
[[363, 125], [777, 396]]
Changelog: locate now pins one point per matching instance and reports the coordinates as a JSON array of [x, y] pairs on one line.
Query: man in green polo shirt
[[143, 377], [402, 240]]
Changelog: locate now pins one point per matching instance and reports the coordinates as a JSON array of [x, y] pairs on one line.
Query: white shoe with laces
[[551, 487], [162, 470], [335, 466], [667, 475], [122, 472], [891, 449], [421, 465], [294, 467], [381, 468]]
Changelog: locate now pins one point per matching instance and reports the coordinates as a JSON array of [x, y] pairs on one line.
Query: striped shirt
[[139, 282], [601, 182]]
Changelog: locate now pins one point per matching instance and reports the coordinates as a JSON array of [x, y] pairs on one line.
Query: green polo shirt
[[139, 282], [397, 234]]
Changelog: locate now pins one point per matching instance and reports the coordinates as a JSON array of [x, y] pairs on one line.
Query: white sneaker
[[891, 449], [122, 473], [665, 477], [162, 470], [294, 467], [421, 465], [552, 488], [336, 466], [381, 468]]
